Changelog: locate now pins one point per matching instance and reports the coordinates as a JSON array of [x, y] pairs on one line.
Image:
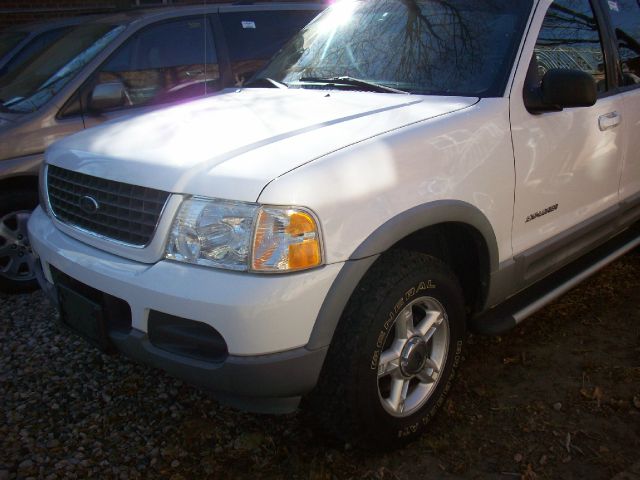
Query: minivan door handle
[[609, 121]]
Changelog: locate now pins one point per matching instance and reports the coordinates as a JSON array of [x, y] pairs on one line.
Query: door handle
[[609, 121]]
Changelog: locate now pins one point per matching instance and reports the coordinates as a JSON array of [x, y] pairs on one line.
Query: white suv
[[402, 170]]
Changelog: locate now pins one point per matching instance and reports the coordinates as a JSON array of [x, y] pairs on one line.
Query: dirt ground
[[557, 398]]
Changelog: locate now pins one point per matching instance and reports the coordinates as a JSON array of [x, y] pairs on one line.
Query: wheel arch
[[454, 231], [430, 215]]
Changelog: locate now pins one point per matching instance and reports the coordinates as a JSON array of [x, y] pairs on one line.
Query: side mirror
[[108, 96], [560, 89]]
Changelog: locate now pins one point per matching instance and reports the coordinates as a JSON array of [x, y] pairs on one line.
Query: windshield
[[32, 47], [430, 47], [30, 87], [9, 40]]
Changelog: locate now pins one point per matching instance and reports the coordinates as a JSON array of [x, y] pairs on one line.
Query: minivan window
[[30, 87], [570, 39], [33, 47], [432, 47], [8, 41], [625, 16], [165, 62], [253, 37]]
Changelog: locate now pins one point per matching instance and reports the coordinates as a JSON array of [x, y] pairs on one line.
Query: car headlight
[[245, 236]]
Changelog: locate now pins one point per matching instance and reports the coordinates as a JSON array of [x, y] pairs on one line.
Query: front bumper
[[266, 321]]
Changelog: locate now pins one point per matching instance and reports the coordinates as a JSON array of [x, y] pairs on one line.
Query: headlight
[[213, 233], [244, 236]]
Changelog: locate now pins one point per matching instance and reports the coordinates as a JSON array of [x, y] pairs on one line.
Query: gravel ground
[[559, 397]]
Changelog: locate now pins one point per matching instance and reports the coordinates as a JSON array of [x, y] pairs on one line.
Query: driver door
[[567, 162]]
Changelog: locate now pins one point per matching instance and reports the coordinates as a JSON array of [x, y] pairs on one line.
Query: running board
[[507, 315]]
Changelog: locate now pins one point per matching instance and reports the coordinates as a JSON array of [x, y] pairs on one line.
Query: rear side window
[[254, 37], [625, 16], [166, 62], [570, 39]]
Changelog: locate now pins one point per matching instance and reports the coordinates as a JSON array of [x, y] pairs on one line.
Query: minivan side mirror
[[108, 96], [562, 88]]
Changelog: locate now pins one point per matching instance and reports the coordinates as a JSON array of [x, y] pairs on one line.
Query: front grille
[[126, 213]]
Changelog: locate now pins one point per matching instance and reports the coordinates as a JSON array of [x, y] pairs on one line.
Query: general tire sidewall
[[444, 289]]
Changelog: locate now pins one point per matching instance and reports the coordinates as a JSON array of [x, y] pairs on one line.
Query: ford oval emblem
[[88, 205]]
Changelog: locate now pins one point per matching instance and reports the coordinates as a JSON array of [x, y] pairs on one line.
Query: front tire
[[394, 353], [17, 269]]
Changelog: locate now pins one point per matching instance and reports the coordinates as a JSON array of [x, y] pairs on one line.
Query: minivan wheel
[[17, 269], [394, 353]]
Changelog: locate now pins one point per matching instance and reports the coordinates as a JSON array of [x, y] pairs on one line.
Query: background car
[[21, 43], [116, 65]]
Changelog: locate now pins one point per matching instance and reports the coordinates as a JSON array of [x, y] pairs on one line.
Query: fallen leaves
[[249, 441], [510, 360], [596, 394], [600, 398], [529, 474], [516, 359]]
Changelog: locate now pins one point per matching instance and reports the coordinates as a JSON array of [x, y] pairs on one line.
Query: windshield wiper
[[270, 82], [354, 82]]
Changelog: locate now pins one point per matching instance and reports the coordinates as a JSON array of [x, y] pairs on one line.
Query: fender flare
[[381, 240]]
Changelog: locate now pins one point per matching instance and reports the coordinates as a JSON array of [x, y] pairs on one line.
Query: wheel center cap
[[414, 356]]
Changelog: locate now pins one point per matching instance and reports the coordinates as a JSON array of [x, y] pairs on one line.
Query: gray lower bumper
[[262, 384]]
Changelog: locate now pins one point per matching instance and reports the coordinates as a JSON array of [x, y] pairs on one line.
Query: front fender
[[381, 240], [427, 215]]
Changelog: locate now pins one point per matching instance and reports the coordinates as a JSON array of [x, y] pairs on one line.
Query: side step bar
[[506, 316]]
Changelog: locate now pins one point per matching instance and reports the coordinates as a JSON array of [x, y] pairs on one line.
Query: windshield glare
[[431, 47], [30, 87], [9, 40]]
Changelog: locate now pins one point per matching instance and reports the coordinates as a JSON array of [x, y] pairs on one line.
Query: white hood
[[232, 145]]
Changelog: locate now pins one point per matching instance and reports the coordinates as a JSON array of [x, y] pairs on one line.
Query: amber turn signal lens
[[305, 253], [286, 240]]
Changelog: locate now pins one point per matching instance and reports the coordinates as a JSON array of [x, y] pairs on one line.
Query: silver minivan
[[115, 65]]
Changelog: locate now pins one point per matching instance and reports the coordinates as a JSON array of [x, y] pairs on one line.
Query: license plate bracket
[[84, 316]]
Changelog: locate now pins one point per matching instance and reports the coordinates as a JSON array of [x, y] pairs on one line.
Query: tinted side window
[[254, 37], [570, 39], [37, 45], [625, 16], [166, 62]]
